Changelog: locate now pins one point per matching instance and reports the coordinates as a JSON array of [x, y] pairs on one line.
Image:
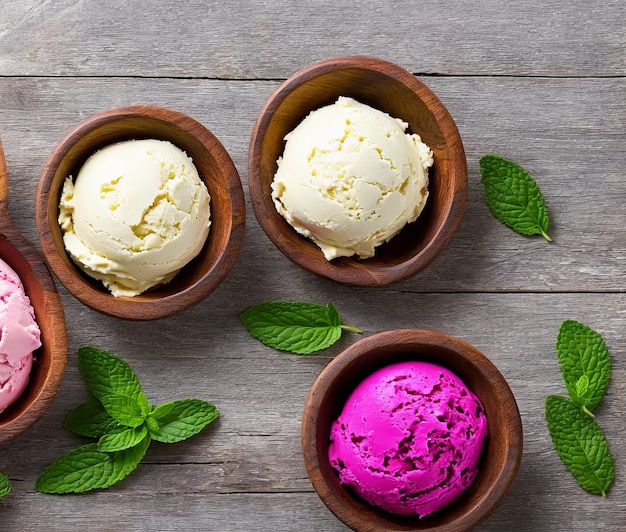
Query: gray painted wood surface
[[541, 82]]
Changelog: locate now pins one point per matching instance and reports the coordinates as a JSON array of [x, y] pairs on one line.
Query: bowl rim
[[53, 334], [408, 338], [22, 257], [360, 272], [99, 299]]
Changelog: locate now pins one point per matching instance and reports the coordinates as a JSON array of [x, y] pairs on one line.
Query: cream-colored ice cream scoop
[[351, 178], [136, 213]]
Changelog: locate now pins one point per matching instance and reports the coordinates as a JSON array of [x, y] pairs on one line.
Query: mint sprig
[[585, 363], [298, 327], [5, 484], [121, 418], [513, 196], [581, 445], [577, 438]]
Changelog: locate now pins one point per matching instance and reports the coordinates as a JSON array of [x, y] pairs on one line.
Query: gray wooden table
[[539, 81]]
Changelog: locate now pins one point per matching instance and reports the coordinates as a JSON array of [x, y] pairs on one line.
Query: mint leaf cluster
[[513, 196], [577, 438], [5, 485], [298, 327], [124, 423]]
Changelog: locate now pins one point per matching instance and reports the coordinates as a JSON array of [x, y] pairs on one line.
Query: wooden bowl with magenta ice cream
[[389, 88], [199, 277], [48, 360], [501, 451]]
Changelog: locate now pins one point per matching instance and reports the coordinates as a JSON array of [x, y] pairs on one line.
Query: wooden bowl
[[198, 278], [49, 360], [502, 451], [391, 89]]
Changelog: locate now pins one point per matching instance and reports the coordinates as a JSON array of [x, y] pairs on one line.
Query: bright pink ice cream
[[19, 336], [409, 438]]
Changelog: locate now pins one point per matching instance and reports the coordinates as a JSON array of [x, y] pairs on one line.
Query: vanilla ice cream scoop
[[136, 213], [350, 178]]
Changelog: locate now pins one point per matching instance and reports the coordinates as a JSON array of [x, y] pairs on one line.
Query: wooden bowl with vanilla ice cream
[[357, 171], [140, 212]]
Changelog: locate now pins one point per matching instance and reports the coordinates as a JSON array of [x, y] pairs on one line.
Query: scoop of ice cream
[[350, 178], [19, 336], [409, 438], [136, 213]]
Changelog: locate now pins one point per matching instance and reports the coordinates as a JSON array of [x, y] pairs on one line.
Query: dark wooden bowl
[[503, 447], [391, 89], [203, 274], [50, 358]]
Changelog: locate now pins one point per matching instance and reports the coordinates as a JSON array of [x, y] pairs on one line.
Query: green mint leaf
[[124, 409], [582, 387], [513, 196], [86, 468], [5, 484], [89, 419], [105, 374], [153, 426], [581, 445], [122, 438], [300, 328], [585, 363], [179, 420]]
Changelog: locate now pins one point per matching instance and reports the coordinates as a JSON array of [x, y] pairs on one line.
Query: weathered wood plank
[[247, 468], [222, 39], [567, 132]]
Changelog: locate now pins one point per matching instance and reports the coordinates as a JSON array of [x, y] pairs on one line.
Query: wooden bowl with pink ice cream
[[33, 344], [411, 430]]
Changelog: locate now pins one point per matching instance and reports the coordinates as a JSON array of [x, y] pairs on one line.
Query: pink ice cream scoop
[[19, 336], [409, 438]]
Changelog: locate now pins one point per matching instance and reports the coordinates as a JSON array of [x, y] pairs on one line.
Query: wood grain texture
[[273, 38], [574, 152], [538, 81]]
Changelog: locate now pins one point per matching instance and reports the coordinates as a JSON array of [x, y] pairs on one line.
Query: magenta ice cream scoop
[[409, 438]]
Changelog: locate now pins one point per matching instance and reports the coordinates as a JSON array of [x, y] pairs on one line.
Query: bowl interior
[[390, 89], [501, 454], [215, 167], [50, 359]]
